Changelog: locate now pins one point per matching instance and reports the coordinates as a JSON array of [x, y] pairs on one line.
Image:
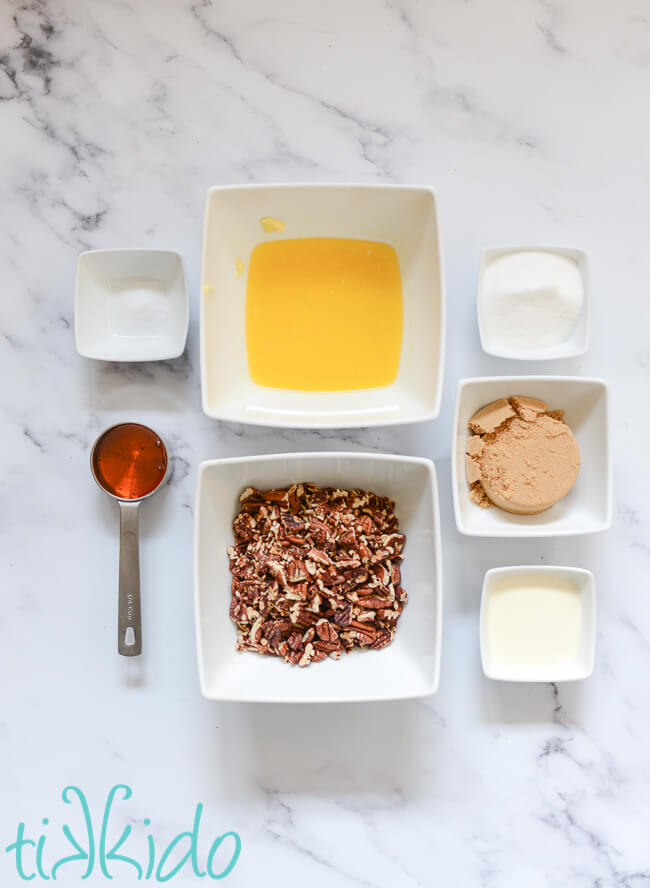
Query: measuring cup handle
[[129, 624]]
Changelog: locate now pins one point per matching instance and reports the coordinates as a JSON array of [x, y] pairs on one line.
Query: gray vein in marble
[[211, 32], [548, 31], [131, 371], [13, 342], [29, 56], [559, 715], [640, 638], [357, 437], [554, 746], [400, 865], [29, 434], [550, 39], [572, 829], [368, 132], [479, 119], [295, 437], [417, 45], [73, 437], [181, 468], [182, 366], [30, 64], [435, 715], [636, 538], [274, 802]]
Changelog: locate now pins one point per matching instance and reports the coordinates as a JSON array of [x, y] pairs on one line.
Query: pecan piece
[[296, 571], [319, 556], [343, 615], [326, 632], [356, 575], [276, 496]]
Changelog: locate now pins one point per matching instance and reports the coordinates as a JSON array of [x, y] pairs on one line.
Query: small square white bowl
[[578, 341], [131, 305], [573, 670], [403, 216], [587, 508], [408, 667]]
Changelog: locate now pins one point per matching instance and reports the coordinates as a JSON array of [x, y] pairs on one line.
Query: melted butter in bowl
[[324, 314]]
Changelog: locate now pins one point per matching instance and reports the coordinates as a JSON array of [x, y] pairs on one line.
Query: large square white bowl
[[402, 216], [572, 670], [587, 508], [131, 305], [575, 344], [408, 667]]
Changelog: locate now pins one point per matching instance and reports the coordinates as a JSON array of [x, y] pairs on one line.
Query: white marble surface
[[530, 119]]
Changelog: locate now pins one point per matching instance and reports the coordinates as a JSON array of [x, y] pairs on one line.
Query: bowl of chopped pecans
[[317, 578]]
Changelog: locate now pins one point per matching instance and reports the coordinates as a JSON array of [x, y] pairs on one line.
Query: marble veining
[[116, 116]]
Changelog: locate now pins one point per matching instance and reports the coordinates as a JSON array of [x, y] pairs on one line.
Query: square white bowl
[[576, 344], [131, 305], [574, 670], [587, 508], [402, 216], [408, 667]]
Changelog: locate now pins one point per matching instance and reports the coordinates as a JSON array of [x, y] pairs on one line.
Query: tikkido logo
[[95, 853]]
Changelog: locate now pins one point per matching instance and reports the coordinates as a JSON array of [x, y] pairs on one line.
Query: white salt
[[531, 300]]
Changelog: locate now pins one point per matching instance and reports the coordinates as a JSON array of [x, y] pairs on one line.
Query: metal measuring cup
[[129, 617]]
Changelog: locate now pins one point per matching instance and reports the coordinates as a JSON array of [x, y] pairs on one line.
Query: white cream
[[530, 300], [532, 622]]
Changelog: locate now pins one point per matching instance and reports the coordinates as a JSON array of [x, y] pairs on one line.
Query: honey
[[324, 314], [129, 460]]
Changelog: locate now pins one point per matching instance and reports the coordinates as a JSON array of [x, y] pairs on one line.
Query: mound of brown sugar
[[521, 457]]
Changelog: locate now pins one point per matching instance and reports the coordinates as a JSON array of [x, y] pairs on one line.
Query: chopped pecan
[[366, 524], [327, 647], [296, 571], [347, 540], [294, 641], [318, 655], [276, 496], [319, 530], [315, 572], [373, 603], [343, 615], [307, 655], [292, 523], [319, 556], [384, 637], [326, 632], [356, 575]]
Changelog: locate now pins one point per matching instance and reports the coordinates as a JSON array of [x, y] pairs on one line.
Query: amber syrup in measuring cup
[[130, 461]]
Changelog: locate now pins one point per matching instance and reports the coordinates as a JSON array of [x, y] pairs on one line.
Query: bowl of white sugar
[[532, 302]]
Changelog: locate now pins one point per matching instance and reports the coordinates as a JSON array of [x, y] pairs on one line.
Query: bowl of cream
[[538, 623], [532, 302]]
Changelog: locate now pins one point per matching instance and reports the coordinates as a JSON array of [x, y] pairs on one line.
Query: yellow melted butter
[[270, 223], [324, 314]]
